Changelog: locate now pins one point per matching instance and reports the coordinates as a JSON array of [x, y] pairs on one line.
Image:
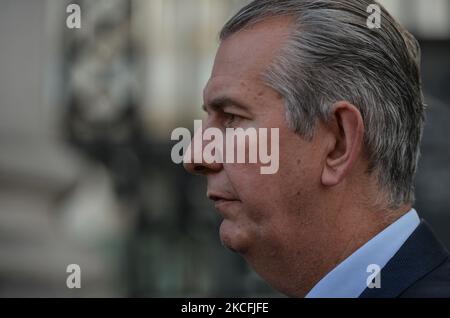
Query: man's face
[[261, 213]]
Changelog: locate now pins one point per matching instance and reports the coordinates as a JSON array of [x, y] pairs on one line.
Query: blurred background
[[85, 171]]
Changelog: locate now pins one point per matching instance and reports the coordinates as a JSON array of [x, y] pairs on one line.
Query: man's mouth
[[221, 200], [220, 204]]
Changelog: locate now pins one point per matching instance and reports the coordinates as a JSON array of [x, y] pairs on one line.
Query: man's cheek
[[243, 175], [256, 207]]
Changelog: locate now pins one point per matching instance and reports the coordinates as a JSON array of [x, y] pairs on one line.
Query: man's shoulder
[[435, 284], [420, 268]]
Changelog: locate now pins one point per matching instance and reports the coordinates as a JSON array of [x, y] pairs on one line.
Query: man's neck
[[353, 229]]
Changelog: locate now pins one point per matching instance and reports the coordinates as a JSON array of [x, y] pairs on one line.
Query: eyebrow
[[220, 103]]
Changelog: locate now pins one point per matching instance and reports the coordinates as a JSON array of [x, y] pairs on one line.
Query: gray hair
[[331, 56]]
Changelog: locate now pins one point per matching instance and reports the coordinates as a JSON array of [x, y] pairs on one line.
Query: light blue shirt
[[349, 278]]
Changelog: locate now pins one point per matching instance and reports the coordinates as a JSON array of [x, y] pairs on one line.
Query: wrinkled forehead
[[244, 56]]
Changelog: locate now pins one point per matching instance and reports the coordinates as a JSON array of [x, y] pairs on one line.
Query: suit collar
[[420, 254]]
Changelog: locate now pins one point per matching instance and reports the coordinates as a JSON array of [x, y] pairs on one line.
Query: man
[[348, 104]]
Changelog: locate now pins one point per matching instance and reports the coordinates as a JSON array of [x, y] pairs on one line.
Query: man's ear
[[346, 129]]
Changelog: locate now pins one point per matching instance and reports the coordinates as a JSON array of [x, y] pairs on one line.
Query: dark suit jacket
[[420, 268]]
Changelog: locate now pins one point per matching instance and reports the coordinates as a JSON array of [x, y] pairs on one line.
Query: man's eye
[[230, 119]]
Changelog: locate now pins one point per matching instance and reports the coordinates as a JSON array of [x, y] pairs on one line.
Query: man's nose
[[194, 161]]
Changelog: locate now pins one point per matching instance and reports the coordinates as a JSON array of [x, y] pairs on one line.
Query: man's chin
[[234, 237]]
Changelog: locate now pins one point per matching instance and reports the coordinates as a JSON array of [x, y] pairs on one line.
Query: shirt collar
[[349, 278]]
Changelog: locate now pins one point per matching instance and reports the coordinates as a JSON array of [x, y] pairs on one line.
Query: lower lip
[[223, 203]]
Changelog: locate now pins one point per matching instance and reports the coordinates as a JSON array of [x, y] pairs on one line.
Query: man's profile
[[347, 100]]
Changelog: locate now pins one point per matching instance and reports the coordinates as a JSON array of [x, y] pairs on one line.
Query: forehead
[[243, 57]]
